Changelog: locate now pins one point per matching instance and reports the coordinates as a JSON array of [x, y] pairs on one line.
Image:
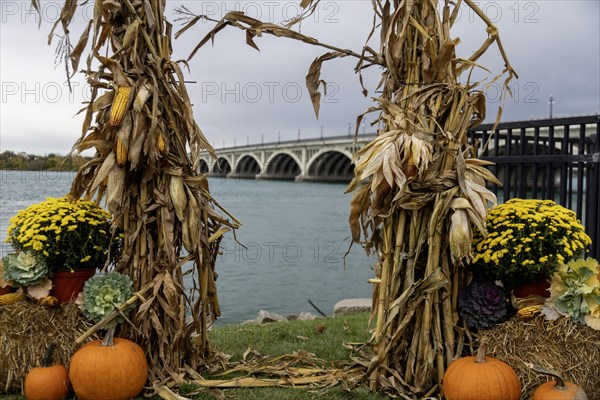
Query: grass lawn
[[285, 338]]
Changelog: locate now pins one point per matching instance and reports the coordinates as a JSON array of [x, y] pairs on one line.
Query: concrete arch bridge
[[320, 160]]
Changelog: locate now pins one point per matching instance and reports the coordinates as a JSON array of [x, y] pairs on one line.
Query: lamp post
[[551, 102]]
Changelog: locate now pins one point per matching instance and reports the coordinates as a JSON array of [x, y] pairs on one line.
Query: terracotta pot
[[7, 290], [539, 288], [66, 285]]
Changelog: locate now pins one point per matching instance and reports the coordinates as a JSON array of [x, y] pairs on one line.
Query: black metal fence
[[557, 159]]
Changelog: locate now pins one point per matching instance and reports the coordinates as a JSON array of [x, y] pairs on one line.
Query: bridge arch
[[204, 167], [221, 167], [330, 166], [282, 165], [247, 166]]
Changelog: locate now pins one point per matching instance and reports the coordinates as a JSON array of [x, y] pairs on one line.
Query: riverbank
[[22, 161]]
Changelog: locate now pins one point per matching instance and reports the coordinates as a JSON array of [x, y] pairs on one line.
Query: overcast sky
[[245, 96]]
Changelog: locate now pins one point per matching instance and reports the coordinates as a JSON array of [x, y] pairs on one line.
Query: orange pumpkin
[[557, 389], [49, 382], [113, 369], [481, 378]]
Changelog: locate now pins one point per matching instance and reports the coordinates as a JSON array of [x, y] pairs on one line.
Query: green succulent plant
[[24, 268], [103, 293]]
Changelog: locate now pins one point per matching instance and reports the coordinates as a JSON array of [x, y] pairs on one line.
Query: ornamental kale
[[105, 292], [24, 268], [483, 304], [575, 292]]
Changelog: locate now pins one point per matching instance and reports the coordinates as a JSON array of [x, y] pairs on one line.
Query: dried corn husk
[[178, 196]]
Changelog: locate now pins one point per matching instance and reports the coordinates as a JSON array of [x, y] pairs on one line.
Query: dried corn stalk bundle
[[419, 192], [139, 120]]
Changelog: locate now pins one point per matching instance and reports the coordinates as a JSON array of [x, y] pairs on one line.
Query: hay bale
[[26, 329], [562, 345]]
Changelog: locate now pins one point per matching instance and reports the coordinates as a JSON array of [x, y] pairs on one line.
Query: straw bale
[[26, 329], [564, 345]]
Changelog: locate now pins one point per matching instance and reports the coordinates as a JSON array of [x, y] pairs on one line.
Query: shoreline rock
[[303, 316], [343, 307], [265, 317], [351, 306]]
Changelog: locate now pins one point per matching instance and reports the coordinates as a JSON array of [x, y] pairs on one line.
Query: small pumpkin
[[109, 369], [481, 378], [556, 389], [49, 382]]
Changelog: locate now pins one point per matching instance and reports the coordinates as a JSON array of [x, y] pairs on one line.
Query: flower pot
[[539, 288], [66, 285]]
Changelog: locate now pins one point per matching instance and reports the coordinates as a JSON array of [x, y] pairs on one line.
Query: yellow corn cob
[[11, 298], [121, 152], [160, 143], [119, 105]]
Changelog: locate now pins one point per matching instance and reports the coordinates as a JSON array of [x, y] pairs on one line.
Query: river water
[[295, 236]]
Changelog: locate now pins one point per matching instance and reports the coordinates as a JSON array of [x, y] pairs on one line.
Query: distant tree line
[[22, 161]]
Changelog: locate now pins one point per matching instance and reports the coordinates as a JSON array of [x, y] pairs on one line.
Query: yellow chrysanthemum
[[529, 237], [62, 231]]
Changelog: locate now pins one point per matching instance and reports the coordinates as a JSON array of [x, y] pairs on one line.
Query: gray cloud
[[242, 94]]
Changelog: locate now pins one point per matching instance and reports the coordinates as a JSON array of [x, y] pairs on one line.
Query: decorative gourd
[[49, 382], [557, 389], [481, 378], [112, 369]]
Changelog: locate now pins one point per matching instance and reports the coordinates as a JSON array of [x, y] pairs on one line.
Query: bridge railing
[[361, 136], [557, 159]]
